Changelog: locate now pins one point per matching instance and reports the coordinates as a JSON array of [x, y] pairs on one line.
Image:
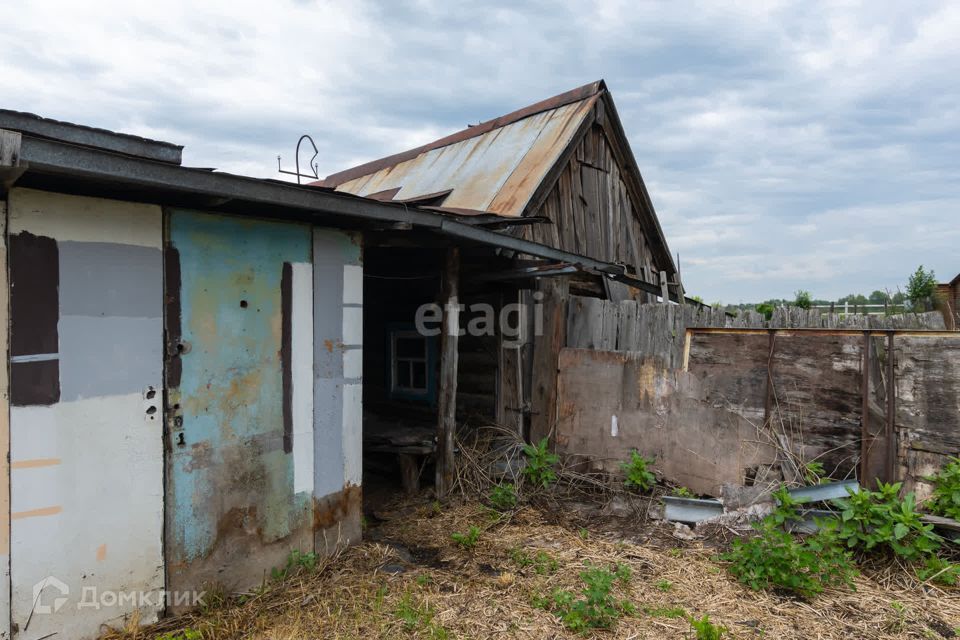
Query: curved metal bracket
[[313, 163]]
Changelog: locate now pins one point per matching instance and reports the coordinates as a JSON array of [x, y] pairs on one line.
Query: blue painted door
[[231, 509]]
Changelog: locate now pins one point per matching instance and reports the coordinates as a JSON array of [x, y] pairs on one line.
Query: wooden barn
[[559, 173]]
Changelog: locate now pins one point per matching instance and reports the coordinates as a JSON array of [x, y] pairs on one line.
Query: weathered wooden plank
[[546, 353], [9, 148], [447, 379]]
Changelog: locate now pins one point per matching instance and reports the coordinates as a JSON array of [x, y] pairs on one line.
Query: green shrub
[[774, 559], [596, 608], [766, 309], [705, 629], [638, 474], [467, 540], [539, 467], [938, 570], [503, 497], [881, 520], [946, 491], [682, 492]]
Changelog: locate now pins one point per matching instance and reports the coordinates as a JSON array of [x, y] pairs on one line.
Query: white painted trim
[[352, 284], [301, 347], [353, 363], [352, 434], [35, 357], [352, 326]]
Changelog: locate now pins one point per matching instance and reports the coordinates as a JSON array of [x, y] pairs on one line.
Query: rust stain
[[237, 520], [102, 553], [201, 456], [330, 510]]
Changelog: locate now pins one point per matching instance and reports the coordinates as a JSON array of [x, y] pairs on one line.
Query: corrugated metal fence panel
[[86, 421], [232, 508]]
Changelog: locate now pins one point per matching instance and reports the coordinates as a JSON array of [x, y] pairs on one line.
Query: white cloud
[[785, 144]]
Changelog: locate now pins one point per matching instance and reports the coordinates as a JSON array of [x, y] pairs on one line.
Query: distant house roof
[[495, 166], [503, 166]]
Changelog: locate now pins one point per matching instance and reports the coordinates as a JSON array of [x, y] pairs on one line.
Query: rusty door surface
[[231, 509]]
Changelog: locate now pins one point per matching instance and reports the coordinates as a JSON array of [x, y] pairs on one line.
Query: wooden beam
[[9, 148], [548, 340], [664, 287], [447, 384], [865, 437], [891, 462]]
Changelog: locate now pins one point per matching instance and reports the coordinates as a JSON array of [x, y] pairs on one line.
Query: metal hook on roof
[[313, 163]]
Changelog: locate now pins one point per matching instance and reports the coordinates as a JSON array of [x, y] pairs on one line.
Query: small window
[[412, 359]]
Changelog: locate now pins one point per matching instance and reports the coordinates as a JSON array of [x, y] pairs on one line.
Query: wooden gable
[[597, 203]]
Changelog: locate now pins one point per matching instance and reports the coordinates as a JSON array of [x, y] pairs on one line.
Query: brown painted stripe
[[34, 513], [34, 383], [34, 303], [286, 353], [172, 320], [34, 463]]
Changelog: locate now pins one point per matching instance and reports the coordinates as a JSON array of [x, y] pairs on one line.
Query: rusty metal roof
[[495, 166]]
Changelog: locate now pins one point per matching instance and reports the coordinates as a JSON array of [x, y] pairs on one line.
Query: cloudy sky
[[786, 145]]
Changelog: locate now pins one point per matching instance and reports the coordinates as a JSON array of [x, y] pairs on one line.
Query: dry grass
[[416, 583]]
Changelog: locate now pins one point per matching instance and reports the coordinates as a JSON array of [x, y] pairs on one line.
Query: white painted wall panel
[[302, 373], [106, 490]]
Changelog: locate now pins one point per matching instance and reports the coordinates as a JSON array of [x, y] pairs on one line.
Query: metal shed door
[[232, 287], [86, 356]]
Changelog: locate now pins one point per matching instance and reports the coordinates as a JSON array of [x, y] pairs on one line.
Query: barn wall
[[928, 406], [86, 418], [611, 403], [591, 210], [622, 385]]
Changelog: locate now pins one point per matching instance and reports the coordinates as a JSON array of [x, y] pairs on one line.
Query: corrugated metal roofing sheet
[[495, 166]]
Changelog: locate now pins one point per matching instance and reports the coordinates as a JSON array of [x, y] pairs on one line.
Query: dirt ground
[[410, 580]]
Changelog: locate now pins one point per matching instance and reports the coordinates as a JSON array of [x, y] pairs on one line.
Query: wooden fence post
[[447, 384]]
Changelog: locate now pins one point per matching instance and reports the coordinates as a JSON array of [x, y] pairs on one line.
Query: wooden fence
[[660, 329]]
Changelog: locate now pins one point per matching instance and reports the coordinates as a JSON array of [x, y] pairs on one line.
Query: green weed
[[503, 497], [467, 540], [297, 562], [945, 500], [638, 474], [705, 629], [539, 467]]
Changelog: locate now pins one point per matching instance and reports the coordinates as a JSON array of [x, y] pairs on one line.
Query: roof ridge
[[560, 100]]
